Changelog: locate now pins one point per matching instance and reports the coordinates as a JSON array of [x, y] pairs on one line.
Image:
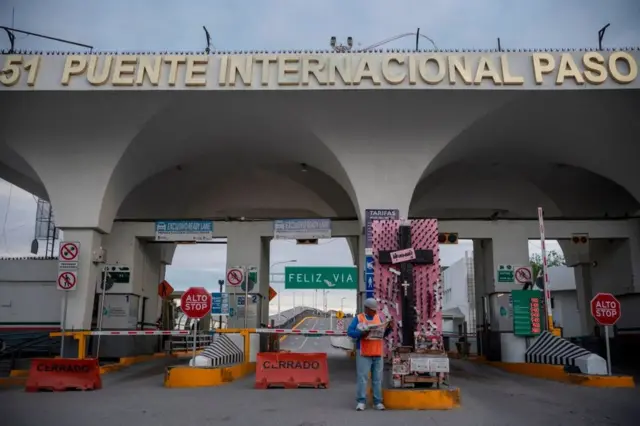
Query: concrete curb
[[336, 343], [421, 399], [197, 377], [557, 373]]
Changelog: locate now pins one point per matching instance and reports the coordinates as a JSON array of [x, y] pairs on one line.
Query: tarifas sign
[[318, 70]]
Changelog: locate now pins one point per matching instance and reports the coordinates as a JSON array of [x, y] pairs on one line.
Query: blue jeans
[[364, 366]]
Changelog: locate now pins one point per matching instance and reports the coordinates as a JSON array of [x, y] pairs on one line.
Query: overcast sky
[[143, 25], [158, 25]]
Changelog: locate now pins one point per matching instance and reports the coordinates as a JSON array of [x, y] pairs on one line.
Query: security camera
[[333, 42]]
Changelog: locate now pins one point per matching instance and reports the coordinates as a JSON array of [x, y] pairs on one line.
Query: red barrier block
[[291, 370], [62, 374]]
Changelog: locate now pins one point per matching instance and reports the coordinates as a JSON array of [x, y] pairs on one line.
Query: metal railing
[[26, 345], [185, 343]]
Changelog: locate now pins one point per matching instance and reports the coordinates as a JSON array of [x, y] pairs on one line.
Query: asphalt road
[[309, 344], [491, 397]]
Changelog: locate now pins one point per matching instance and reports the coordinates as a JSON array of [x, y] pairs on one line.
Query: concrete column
[[584, 294], [634, 247], [482, 275], [245, 248], [360, 262], [509, 246], [80, 301]]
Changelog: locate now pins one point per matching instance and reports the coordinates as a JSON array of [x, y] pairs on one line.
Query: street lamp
[[282, 289], [341, 48], [325, 300]]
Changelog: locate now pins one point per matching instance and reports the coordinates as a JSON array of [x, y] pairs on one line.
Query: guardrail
[[181, 343], [301, 331]]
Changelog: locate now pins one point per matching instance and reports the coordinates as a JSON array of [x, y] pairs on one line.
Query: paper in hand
[[376, 332]]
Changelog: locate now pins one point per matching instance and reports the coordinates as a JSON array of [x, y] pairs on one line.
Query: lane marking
[[307, 337], [294, 327]]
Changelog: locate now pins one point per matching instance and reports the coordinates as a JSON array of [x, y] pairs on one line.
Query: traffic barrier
[[550, 349], [421, 399], [222, 351], [301, 331], [62, 374], [291, 370], [195, 376]]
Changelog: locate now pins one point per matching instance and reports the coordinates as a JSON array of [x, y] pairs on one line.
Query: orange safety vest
[[369, 347]]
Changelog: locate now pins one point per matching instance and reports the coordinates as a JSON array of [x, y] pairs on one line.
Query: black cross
[[423, 257]]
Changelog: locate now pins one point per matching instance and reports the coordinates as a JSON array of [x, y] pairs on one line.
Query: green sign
[[506, 274], [527, 312], [252, 274], [321, 277]]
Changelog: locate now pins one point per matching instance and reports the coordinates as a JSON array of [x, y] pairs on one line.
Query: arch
[[196, 190], [480, 190], [469, 191], [17, 171], [573, 128], [232, 131]]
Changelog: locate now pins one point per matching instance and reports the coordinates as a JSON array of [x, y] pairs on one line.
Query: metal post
[[220, 282], [606, 339], [64, 322], [246, 297], [279, 297], [196, 323], [545, 271], [101, 313]]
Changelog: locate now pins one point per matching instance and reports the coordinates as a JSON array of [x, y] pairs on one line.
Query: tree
[[553, 259]]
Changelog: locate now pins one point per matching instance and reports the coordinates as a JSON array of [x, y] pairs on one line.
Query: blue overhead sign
[[368, 264], [301, 229], [368, 281], [184, 230], [253, 299], [377, 214], [368, 275], [220, 304]]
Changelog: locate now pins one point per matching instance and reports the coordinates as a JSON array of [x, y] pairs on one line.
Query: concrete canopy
[[571, 153], [113, 143]]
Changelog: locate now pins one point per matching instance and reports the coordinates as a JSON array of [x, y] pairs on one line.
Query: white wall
[[565, 312], [28, 296], [455, 291], [562, 278], [455, 286]]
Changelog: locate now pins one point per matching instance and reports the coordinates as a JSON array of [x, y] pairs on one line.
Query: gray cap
[[371, 303]]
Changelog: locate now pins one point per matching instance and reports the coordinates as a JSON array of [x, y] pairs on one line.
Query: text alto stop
[[196, 301], [607, 308]]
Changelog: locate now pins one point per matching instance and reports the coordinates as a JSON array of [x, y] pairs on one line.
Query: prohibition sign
[[523, 275], [67, 280], [69, 252], [235, 277]]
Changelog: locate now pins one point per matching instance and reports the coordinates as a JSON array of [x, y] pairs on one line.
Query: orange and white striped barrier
[[301, 331]]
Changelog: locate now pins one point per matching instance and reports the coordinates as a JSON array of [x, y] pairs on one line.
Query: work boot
[[380, 407], [360, 406]]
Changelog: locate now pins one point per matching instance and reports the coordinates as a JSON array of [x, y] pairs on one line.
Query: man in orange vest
[[368, 354]]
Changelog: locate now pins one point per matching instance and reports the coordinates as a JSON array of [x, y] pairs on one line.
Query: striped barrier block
[[550, 349], [224, 350]]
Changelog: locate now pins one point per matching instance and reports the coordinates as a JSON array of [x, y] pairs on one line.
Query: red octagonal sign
[[605, 308], [196, 302]]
